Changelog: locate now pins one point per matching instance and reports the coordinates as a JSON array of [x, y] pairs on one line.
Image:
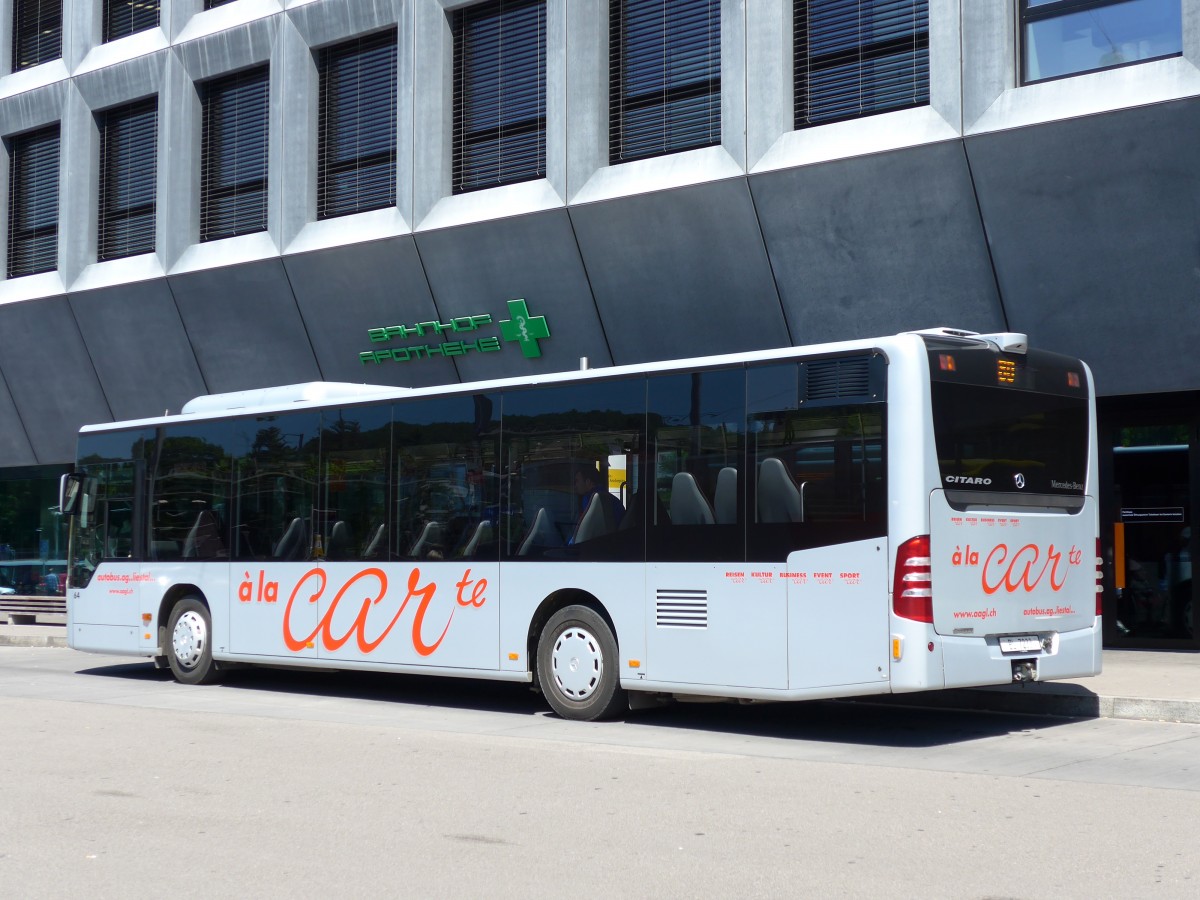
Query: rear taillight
[[1099, 579], [912, 591]]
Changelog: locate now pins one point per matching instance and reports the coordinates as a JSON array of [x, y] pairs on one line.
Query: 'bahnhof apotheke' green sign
[[523, 328]]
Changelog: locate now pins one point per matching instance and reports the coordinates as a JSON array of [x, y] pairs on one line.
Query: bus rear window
[[998, 439]]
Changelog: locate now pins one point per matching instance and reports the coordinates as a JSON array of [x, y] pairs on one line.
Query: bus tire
[[189, 643], [577, 666]]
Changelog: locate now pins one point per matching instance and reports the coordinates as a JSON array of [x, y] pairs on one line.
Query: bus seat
[[779, 499], [429, 541], [204, 539], [374, 547], [688, 505], [340, 541], [725, 497], [541, 534], [597, 521], [481, 535], [294, 542]]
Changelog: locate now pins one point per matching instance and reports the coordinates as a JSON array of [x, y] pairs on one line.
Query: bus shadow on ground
[[913, 721]]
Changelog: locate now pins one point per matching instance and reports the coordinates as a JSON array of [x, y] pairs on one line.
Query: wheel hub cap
[[188, 639], [577, 663]]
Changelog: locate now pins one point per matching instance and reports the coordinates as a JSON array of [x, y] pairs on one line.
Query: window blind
[[37, 32], [125, 17], [499, 93], [665, 77], [33, 202], [128, 172], [856, 58], [356, 126], [233, 155]]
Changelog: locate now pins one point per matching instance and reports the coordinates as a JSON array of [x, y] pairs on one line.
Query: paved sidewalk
[[53, 634], [1135, 684]]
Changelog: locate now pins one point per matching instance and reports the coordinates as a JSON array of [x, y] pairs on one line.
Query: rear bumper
[[978, 661]]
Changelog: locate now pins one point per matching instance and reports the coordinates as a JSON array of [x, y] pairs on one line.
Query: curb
[[32, 640]]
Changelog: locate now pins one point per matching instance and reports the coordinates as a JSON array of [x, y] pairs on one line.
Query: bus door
[[105, 583], [818, 503], [838, 615], [717, 624], [712, 616]]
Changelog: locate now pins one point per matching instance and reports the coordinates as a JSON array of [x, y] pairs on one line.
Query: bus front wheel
[[189, 643], [577, 665]]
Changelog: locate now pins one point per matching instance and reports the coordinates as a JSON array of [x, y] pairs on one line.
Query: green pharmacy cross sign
[[524, 328], [463, 331]]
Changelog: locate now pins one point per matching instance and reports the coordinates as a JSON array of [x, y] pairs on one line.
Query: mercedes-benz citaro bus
[[899, 514]]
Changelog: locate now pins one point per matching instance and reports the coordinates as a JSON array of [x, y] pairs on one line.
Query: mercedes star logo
[[1020, 480]]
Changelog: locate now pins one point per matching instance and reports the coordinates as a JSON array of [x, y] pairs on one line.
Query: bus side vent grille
[[681, 609], [829, 379]]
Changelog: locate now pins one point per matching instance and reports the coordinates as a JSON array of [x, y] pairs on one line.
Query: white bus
[[900, 514]]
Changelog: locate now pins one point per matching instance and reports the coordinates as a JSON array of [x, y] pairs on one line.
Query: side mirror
[[70, 493]]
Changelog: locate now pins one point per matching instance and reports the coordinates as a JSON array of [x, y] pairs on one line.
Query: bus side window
[[696, 423], [353, 484], [275, 479], [447, 488], [571, 472], [818, 465]]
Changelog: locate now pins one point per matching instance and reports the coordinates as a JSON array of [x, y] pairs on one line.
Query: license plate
[[1020, 643]]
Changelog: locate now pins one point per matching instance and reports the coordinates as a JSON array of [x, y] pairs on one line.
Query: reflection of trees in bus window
[[572, 471], [112, 533], [189, 494], [111, 529], [275, 488], [352, 514], [447, 481]]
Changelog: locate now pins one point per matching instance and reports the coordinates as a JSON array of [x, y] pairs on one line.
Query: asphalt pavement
[[1135, 684]]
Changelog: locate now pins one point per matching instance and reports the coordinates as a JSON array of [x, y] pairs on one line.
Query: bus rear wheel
[[189, 643], [577, 665]]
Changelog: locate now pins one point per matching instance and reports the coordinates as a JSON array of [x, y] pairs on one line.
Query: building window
[[128, 155], [1069, 37], [125, 17], [856, 58], [37, 32], [213, 4], [665, 77], [233, 155], [356, 126], [33, 202], [499, 93]]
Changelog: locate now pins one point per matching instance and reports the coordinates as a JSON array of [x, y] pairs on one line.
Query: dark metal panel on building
[[478, 268], [139, 348], [50, 376], [1095, 230], [878, 244], [346, 290], [245, 327], [15, 449], [680, 273]]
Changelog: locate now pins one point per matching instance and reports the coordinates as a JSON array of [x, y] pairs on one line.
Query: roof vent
[[309, 392], [1008, 341]]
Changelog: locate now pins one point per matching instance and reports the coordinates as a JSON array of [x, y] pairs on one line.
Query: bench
[[25, 610]]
